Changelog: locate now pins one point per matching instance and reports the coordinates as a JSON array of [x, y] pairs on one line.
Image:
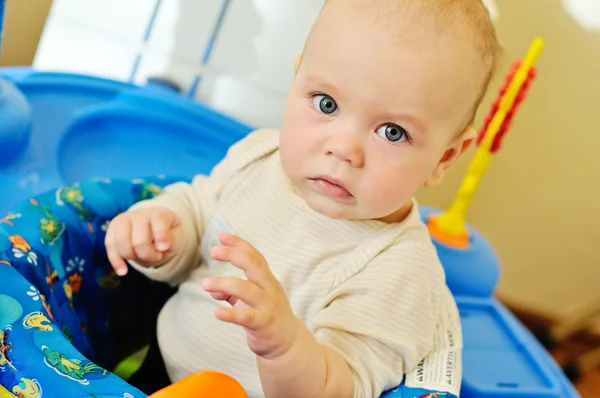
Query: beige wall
[[539, 204], [24, 21]]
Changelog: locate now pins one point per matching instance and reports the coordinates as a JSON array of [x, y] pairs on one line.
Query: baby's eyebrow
[[412, 122], [321, 82]]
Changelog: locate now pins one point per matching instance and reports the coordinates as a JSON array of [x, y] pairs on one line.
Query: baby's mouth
[[330, 187]]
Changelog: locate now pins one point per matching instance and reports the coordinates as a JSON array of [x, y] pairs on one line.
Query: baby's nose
[[347, 149]]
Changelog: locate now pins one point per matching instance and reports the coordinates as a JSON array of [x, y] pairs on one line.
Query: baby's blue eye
[[392, 132], [325, 104]]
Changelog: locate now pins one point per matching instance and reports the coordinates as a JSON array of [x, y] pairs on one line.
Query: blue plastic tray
[[87, 127], [500, 357]]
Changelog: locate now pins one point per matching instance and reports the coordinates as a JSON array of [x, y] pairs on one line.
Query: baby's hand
[[259, 303], [150, 236]]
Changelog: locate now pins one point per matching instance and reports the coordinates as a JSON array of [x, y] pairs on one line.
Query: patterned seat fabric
[[65, 316]]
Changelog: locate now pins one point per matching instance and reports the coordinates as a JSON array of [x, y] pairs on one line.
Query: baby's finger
[[236, 241], [249, 318], [141, 240], [161, 222], [237, 257], [120, 238], [244, 290], [249, 260], [115, 260], [118, 264], [220, 296]]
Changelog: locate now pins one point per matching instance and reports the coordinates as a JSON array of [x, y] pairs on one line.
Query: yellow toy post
[[450, 227]]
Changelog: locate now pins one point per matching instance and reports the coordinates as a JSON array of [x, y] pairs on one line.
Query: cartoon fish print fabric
[[58, 293]]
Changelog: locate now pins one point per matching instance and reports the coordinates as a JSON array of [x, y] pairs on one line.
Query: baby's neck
[[399, 215]]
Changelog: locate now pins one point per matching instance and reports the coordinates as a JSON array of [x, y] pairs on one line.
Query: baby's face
[[373, 114]]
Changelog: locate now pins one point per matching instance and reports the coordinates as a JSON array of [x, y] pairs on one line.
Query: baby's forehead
[[405, 30], [464, 26], [466, 21]]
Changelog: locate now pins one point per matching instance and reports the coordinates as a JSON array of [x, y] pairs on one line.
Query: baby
[[302, 266]]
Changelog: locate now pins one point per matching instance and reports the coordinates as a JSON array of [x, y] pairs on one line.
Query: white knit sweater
[[371, 291]]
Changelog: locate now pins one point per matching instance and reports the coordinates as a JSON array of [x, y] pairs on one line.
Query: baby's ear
[[297, 60], [457, 147]]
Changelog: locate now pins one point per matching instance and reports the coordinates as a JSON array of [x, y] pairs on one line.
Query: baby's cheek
[[391, 190], [291, 157]]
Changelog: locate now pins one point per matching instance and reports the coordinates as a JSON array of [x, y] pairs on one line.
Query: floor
[[588, 384], [570, 352]]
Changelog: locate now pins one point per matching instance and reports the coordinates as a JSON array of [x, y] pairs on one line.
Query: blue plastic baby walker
[[65, 317]]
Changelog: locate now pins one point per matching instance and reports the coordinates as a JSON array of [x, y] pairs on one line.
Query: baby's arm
[[373, 327], [180, 214], [382, 321], [291, 361], [307, 369], [359, 366]]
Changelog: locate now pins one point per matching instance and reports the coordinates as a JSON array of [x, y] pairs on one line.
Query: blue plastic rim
[[61, 128], [479, 261], [15, 121], [112, 143]]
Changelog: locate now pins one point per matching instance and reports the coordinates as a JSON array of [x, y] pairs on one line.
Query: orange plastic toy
[[203, 385]]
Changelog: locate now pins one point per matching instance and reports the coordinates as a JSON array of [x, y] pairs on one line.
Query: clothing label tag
[[441, 370]]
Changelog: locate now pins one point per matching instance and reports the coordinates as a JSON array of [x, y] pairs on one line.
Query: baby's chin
[[329, 208], [337, 211], [355, 212]]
